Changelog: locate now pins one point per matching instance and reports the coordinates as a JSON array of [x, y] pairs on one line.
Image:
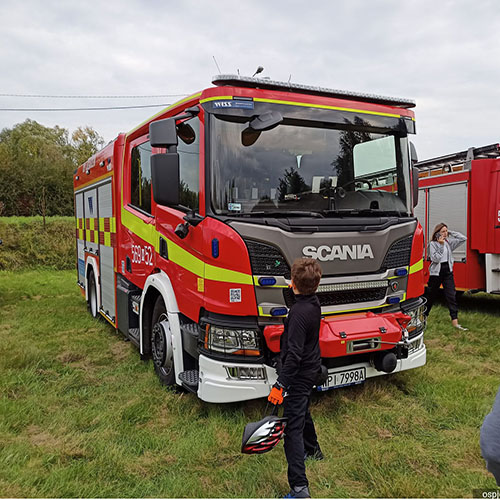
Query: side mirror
[[163, 133], [414, 182], [165, 178]]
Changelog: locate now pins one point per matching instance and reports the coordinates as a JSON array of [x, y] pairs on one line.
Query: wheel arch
[[156, 285], [91, 266]]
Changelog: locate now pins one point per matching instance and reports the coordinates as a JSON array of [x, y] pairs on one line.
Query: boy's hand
[[276, 395]]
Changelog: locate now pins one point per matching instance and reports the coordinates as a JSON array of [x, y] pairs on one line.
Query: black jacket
[[300, 354]]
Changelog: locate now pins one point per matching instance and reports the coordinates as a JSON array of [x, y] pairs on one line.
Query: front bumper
[[215, 386]]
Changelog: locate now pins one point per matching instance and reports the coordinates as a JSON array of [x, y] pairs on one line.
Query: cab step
[[190, 380], [133, 335]]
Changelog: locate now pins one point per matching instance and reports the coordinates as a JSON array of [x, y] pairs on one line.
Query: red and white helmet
[[264, 435]]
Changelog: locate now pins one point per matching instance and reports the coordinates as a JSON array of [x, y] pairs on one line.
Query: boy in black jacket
[[300, 365]]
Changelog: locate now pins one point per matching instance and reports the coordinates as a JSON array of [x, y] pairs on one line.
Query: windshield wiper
[[287, 213]]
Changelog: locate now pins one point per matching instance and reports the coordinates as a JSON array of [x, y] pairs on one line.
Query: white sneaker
[[460, 327]]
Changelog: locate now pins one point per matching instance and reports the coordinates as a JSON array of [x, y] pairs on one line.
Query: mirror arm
[[192, 219], [188, 113]]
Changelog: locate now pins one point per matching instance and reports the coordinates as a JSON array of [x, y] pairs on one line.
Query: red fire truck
[[463, 190], [187, 227]]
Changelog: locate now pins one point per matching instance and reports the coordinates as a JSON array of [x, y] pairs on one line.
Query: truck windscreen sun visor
[[356, 165]]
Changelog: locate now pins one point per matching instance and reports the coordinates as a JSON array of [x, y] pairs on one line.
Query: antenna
[[215, 61], [289, 78], [260, 69]]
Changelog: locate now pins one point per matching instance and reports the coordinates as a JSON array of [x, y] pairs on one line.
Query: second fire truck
[[463, 190], [187, 227]]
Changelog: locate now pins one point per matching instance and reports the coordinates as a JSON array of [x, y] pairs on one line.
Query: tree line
[[37, 165]]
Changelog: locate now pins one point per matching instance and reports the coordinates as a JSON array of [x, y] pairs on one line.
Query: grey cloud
[[442, 54]]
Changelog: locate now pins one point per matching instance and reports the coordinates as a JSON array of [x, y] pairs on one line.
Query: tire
[[161, 344], [92, 293]]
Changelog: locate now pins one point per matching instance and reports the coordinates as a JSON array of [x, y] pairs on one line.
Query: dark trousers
[[445, 278], [300, 435]]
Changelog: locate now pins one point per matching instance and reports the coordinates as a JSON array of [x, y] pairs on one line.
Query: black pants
[[300, 435], [445, 278]]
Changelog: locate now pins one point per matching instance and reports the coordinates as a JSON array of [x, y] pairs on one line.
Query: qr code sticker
[[235, 295]]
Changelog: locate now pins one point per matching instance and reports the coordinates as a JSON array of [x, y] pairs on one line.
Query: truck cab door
[[180, 254]]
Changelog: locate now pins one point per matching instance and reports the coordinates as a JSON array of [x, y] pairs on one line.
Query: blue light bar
[[393, 300], [267, 281], [401, 272], [279, 311]]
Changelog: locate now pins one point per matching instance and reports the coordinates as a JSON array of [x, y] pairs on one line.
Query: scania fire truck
[[187, 227], [463, 190]]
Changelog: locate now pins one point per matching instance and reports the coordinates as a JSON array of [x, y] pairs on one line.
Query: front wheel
[[161, 344]]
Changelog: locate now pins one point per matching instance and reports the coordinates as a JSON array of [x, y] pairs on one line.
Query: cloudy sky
[[443, 54]]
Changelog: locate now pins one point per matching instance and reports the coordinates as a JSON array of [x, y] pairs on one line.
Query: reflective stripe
[[184, 259], [305, 104], [418, 266], [180, 256], [93, 181], [164, 110], [106, 225], [359, 308], [217, 98], [90, 229], [324, 106], [226, 275], [261, 312], [142, 229]]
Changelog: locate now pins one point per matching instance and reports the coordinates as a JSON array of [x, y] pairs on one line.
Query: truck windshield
[[296, 168]]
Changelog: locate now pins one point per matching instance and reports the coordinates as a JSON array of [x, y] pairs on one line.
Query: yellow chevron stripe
[[418, 266]]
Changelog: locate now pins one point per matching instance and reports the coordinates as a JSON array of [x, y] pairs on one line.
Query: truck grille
[[342, 297], [267, 260], [398, 254]]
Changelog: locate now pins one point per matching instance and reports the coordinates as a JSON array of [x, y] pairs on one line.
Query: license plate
[[344, 378]]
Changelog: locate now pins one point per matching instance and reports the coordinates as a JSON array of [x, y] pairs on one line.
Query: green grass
[[82, 416], [28, 244]]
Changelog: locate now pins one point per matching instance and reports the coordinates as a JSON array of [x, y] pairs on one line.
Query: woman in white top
[[441, 269]]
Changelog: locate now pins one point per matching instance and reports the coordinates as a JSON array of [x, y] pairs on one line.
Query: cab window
[[140, 177], [189, 162]]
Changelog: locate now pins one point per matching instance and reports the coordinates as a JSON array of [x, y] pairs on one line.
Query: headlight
[[232, 341]]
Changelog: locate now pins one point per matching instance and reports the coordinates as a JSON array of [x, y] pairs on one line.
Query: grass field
[[28, 244], [82, 416]]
